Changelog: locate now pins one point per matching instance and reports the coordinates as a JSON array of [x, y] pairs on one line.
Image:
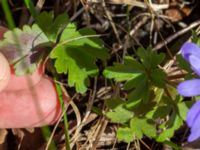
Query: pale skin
[[26, 101]]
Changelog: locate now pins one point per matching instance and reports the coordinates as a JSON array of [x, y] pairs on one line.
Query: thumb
[[4, 72], [4, 65]]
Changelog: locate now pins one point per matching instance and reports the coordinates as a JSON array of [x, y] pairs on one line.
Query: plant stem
[[66, 125]]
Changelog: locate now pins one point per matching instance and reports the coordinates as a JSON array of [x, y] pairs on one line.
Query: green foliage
[[158, 77], [52, 26], [123, 72], [75, 51], [178, 114], [137, 128], [183, 64], [183, 108], [76, 54], [195, 38], [174, 123], [150, 59], [138, 77], [145, 83], [142, 126], [125, 134], [119, 113]]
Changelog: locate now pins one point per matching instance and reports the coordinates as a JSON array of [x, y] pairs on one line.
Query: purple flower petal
[[194, 135], [193, 121], [193, 113], [195, 63], [195, 128], [190, 49], [189, 88], [191, 52]]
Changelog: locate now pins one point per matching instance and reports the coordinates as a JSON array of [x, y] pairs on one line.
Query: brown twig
[[176, 35], [155, 7]]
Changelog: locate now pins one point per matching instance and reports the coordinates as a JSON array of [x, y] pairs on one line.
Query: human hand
[[26, 101]]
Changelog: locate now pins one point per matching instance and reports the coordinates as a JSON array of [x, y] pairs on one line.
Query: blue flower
[[191, 53]]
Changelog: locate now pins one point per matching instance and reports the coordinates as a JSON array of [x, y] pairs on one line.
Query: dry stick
[[111, 22], [89, 107], [39, 5], [174, 36], [100, 132], [137, 145], [95, 133], [89, 136], [152, 14], [155, 7], [128, 146], [59, 120], [79, 12], [114, 143], [145, 144], [151, 11], [138, 25]]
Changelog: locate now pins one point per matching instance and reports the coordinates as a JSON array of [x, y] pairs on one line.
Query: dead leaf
[[3, 133]]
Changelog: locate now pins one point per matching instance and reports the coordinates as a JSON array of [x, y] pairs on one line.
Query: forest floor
[[123, 25]]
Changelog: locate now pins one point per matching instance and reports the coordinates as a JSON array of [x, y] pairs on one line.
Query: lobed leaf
[[149, 58], [50, 25], [76, 55], [142, 126], [125, 134], [120, 114], [124, 72]]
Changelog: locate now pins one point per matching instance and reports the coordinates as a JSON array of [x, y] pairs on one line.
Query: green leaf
[[182, 63], [123, 72], [19, 47], [183, 108], [125, 134], [76, 55], [114, 102], [195, 38], [84, 37], [52, 26], [140, 91], [159, 112], [133, 83], [165, 135], [149, 58], [144, 108], [97, 110], [142, 126], [135, 125], [162, 112], [65, 63], [158, 77], [175, 120], [158, 94], [120, 114], [173, 124], [133, 104]]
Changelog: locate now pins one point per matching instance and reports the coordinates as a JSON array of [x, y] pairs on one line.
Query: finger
[[34, 107], [4, 72]]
